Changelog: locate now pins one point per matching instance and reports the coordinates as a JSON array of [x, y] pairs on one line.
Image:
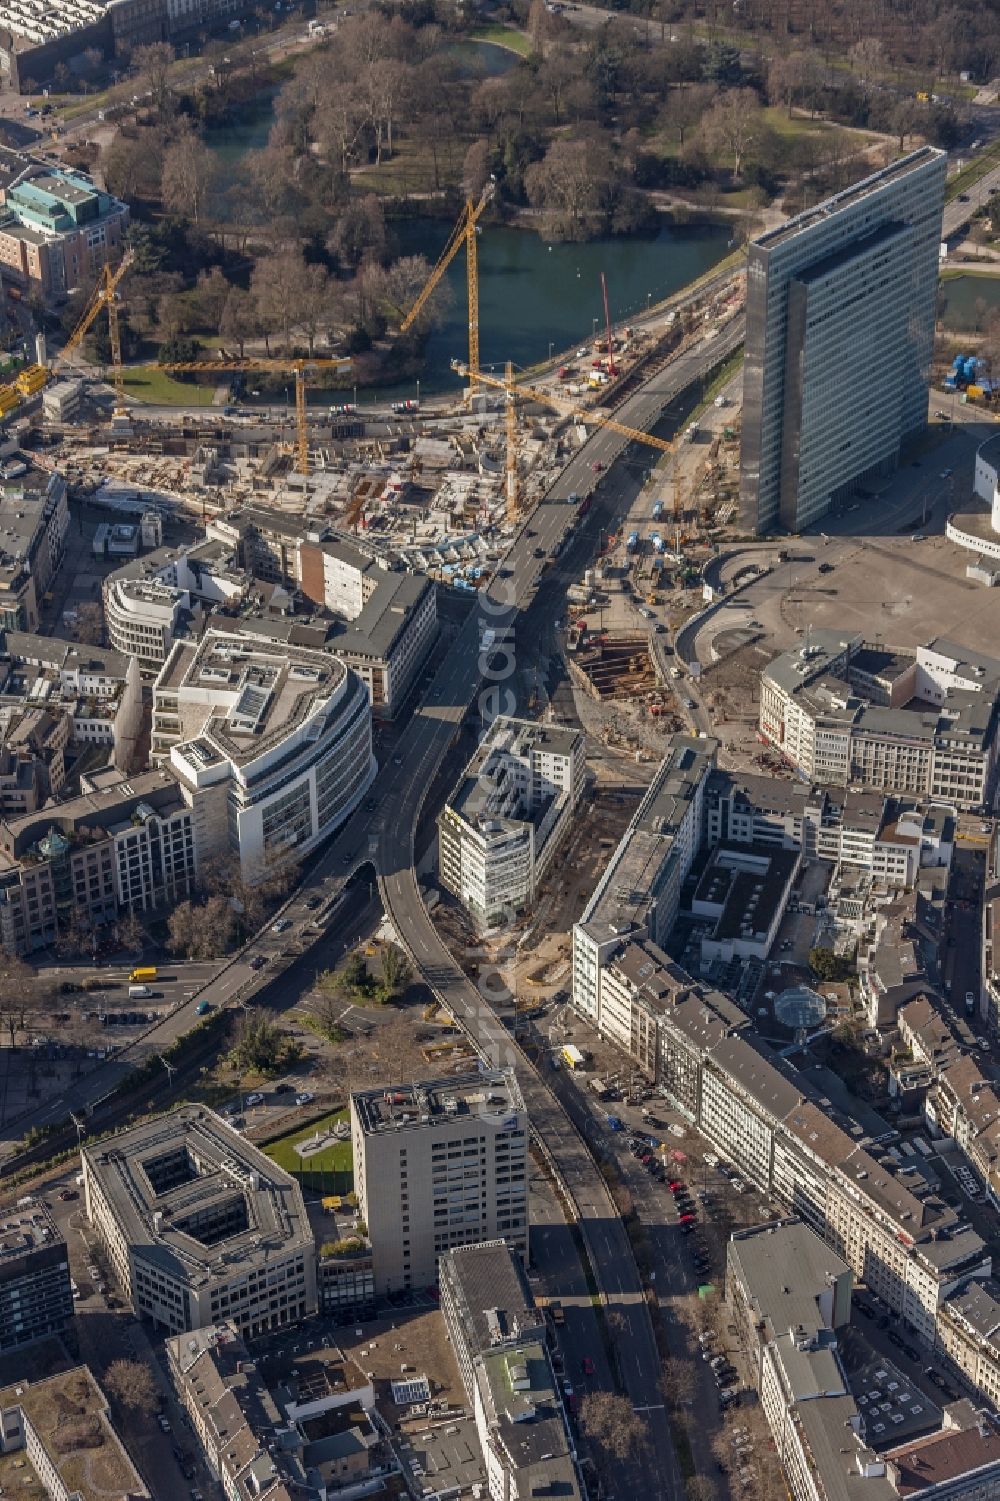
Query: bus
[[140, 975]]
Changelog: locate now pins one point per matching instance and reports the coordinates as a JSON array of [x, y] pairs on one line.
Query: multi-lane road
[[382, 834]]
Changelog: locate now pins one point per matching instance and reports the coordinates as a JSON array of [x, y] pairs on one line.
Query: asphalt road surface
[[960, 210], [383, 832]]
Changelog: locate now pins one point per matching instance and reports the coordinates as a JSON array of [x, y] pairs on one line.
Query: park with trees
[[294, 248]]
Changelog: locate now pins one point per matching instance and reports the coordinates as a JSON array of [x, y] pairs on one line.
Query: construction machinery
[[300, 368], [464, 233], [34, 378], [579, 414]]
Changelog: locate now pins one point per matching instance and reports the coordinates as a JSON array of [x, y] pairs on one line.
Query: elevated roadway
[[383, 836]]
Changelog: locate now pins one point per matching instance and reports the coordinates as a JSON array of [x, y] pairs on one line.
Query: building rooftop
[[69, 1413], [96, 812], [754, 1068], [196, 1197], [485, 795], [894, 172], [794, 670], [490, 1291], [978, 1306], [240, 698], [969, 1454], [827, 1430], [524, 1417], [383, 618], [26, 1229], [492, 1095], [786, 1268], [749, 899], [623, 896]]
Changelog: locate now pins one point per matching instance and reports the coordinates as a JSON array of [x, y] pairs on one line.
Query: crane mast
[[464, 233]]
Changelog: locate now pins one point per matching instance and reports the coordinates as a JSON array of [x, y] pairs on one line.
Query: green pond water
[[968, 301], [532, 295]]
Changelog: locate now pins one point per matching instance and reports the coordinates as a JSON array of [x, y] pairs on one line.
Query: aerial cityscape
[[499, 751]]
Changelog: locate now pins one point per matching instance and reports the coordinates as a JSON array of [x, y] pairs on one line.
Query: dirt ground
[[533, 956]]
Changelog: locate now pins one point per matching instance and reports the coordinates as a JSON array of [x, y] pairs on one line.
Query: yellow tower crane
[[104, 296], [513, 390], [464, 233], [34, 378], [300, 368]]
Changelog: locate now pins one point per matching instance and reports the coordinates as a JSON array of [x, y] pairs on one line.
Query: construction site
[[436, 487]]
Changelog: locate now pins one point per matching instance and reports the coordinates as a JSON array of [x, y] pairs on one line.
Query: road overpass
[[469, 679]]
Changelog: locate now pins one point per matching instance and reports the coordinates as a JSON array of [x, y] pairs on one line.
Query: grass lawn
[[329, 1171], [410, 169], [158, 386], [503, 36]]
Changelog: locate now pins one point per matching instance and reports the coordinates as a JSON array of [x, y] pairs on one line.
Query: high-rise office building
[[35, 1290], [439, 1164], [840, 326]]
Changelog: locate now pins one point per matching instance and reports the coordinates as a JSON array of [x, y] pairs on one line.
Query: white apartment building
[[156, 600], [930, 731], [199, 1226], [511, 810], [439, 1164], [522, 1425], [639, 893], [766, 1119], [278, 738], [143, 616], [384, 620]]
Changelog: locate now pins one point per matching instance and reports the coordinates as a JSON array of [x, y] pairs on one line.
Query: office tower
[[439, 1164], [840, 327]]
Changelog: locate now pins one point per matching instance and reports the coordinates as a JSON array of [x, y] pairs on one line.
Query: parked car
[[304, 1097]]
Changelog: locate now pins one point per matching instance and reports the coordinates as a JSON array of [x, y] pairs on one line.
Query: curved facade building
[[280, 738], [979, 531]]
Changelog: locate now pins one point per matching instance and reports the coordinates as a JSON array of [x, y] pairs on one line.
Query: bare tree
[[867, 60], [476, 168], [538, 27], [272, 295], [151, 66], [130, 932], [90, 622], [396, 971], [572, 187], [212, 294], [240, 320], [132, 1384], [188, 173], [610, 1423], [312, 297], [733, 124], [359, 232], [905, 118]]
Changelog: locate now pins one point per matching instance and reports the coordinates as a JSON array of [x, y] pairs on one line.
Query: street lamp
[[649, 298], [418, 393], [595, 328], [551, 347]]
